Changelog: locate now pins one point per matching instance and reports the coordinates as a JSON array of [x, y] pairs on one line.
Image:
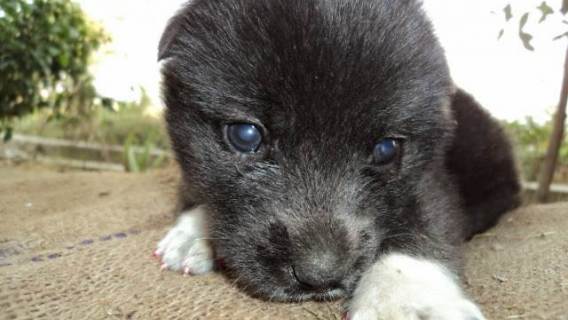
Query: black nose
[[319, 273]]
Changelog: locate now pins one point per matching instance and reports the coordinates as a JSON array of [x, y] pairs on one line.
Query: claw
[[346, 316], [163, 267], [156, 255]]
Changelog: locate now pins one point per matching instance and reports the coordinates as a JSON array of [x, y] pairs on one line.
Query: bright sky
[[507, 79]]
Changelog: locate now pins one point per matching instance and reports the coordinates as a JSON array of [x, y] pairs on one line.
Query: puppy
[[326, 153]]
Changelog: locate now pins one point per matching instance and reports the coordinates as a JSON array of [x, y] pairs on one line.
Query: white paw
[[185, 247], [400, 287]]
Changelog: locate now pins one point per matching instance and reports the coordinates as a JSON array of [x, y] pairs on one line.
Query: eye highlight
[[244, 137], [386, 151]]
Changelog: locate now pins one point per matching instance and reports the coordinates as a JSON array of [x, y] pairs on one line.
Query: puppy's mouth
[[326, 295], [299, 295]]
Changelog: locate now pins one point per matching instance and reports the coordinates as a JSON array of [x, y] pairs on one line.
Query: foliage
[[141, 161], [128, 124], [545, 164], [45, 50], [545, 11], [530, 141], [124, 121]]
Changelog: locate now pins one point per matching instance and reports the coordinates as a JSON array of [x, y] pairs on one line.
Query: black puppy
[[326, 152]]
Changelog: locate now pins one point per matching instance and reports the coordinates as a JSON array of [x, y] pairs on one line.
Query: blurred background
[[79, 81]]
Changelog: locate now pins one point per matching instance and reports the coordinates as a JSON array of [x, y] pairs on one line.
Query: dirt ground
[[76, 245]]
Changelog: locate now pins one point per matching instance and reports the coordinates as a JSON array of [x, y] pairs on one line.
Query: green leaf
[[546, 10], [108, 103], [44, 45], [508, 12], [132, 161], [524, 20], [54, 51], [64, 60], [8, 133], [526, 38]]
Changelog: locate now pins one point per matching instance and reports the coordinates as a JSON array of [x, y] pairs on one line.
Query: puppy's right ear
[[169, 37]]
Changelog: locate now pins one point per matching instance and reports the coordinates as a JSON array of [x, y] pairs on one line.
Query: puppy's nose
[[323, 272]]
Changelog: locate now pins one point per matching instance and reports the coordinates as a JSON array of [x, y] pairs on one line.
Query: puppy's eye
[[244, 137], [386, 151]]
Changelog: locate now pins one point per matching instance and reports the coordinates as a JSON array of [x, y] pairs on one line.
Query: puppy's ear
[[167, 42]]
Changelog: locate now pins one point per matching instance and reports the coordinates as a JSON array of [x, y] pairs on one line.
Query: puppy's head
[[305, 126]]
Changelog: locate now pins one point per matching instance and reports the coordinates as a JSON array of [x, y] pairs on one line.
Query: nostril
[[314, 280]]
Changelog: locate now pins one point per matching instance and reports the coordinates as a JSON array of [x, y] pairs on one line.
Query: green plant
[[137, 160], [545, 11], [530, 140], [111, 125], [553, 151], [142, 136], [45, 50]]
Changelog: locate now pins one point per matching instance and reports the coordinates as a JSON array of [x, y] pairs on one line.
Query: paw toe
[[188, 255]]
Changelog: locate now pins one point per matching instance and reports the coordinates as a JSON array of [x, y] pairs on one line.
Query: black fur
[[481, 160], [326, 80]]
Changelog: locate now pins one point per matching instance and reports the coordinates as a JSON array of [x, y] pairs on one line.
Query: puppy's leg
[[186, 247], [402, 287]]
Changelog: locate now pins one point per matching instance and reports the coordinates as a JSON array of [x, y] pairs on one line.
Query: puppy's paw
[[185, 247], [460, 309], [400, 287]]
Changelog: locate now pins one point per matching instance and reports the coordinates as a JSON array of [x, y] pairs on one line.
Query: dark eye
[[386, 151], [244, 137]]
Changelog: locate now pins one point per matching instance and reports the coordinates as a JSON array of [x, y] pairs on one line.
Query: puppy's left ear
[[169, 37]]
